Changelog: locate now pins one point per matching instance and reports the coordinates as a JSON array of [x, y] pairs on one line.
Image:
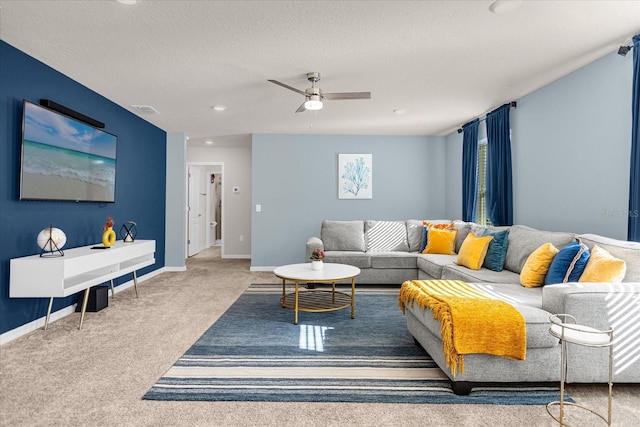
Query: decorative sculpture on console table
[[51, 240], [128, 232], [109, 236]]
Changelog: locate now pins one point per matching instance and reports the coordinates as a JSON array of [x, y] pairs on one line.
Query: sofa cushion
[[432, 264], [536, 320], [513, 293], [473, 251], [568, 264], [385, 236], [537, 265], [497, 250], [463, 230], [441, 242], [343, 235], [458, 272], [394, 260], [627, 251], [355, 258], [524, 240], [414, 234], [603, 267]]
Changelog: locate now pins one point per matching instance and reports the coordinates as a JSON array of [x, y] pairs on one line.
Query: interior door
[[193, 244]]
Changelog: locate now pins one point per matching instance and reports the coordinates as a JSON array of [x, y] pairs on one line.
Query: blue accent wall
[[295, 179], [140, 178]]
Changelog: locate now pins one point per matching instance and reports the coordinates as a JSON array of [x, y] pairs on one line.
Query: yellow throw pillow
[[603, 267], [473, 251], [441, 242], [537, 265]]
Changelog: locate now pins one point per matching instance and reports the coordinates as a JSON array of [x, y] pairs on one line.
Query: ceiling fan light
[[313, 103]]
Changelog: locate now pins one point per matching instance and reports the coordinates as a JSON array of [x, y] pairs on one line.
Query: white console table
[[78, 270]]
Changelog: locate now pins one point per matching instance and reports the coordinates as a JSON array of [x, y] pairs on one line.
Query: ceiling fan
[[314, 96]]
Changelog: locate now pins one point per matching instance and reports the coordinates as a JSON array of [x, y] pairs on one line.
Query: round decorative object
[[128, 231], [108, 237], [51, 239], [316, 265]]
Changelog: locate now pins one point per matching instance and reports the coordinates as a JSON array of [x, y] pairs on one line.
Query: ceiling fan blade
[[301, 108], [346, 95], [288, 87]]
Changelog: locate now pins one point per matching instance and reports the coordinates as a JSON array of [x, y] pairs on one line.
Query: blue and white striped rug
[[254, 352]]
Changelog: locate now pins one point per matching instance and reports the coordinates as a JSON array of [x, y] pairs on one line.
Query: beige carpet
[[97, 376]]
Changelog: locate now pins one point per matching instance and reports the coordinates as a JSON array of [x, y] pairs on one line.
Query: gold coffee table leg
[[353, 298], [295, 310]]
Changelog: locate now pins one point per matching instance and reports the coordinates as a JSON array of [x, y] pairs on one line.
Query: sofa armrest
[[312, 244], [594, 304]]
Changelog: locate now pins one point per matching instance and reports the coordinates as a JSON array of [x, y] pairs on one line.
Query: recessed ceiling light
[[504, 6], [400, 111], [128, 2], [208, 142], [219, 107]]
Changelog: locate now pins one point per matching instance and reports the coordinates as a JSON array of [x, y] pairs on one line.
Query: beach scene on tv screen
[[64, 159]]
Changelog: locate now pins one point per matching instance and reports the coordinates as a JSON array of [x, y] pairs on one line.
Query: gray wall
[[571, 143], [176, 214], [295, 179]]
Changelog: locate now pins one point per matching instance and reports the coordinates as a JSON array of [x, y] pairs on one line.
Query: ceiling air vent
[[145, 109]]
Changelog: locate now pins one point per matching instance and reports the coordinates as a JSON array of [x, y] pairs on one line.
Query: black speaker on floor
[[98, 299], [69, 112]]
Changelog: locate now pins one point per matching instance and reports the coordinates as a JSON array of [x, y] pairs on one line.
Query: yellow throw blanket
[[470, 321]]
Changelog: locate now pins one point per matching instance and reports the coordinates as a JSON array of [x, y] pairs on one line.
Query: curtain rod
[[514, 104]]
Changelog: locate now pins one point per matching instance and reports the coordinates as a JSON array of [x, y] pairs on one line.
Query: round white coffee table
[[316, 300]]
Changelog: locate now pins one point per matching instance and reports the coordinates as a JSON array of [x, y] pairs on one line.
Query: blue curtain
[[499, 194], [633, 230], [469, 170]]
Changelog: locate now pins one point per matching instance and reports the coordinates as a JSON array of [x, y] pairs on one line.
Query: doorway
[[215, 210], [205, 207]]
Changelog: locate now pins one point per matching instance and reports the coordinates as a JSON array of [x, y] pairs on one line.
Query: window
[[481, 211]]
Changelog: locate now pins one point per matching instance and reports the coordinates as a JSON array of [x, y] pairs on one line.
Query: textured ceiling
[[444, 62]]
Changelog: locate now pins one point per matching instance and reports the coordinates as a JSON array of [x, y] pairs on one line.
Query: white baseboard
[[184, 268], [36, 324], [63, 312]]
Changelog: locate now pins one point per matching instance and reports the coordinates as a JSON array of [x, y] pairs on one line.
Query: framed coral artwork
[[355, 174]]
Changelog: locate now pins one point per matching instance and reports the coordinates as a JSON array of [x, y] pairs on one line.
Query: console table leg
[[46, 322], [113, 291], [84, 306], [135, 282]]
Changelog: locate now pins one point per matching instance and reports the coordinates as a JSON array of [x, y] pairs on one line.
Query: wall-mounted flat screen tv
[[65, 159]]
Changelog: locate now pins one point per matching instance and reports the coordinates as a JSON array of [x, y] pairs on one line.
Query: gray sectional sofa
[[387, 255]]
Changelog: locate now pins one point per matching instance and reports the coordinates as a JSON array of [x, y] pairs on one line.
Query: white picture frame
[[355, 176]]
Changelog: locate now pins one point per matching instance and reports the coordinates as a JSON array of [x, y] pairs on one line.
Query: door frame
[[208, 208]]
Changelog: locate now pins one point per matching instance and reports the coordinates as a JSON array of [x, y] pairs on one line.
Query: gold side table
[[565, 328]]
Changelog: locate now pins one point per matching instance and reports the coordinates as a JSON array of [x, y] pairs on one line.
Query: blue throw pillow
[[568, 264], [497, 251], [425, 233]]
